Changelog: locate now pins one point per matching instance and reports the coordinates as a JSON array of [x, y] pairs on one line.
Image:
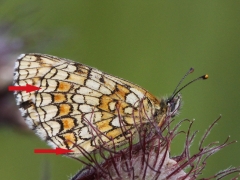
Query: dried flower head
[[149, 157]]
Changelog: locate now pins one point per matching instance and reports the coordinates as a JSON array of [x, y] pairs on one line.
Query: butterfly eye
[[174, 105]]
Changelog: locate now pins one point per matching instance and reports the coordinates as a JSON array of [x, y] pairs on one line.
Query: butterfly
[[79, 107]]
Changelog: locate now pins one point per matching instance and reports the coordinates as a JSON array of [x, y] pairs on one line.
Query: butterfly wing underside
[[78, 105]]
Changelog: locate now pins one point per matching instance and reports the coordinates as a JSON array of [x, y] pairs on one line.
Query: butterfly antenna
[[201, 77], [180, 82]]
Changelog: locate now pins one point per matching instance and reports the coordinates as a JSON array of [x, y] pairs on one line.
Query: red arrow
[[28, 88], [57, 151]]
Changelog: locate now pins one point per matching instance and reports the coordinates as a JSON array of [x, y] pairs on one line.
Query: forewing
[[78, 105]]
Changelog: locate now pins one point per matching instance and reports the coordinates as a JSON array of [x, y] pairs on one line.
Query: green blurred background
[[151, 43]]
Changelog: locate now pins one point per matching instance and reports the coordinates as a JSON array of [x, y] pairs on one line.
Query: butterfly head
[[169, 107]]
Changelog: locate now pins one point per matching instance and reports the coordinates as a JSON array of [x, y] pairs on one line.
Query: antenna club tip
[[205, 76]]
